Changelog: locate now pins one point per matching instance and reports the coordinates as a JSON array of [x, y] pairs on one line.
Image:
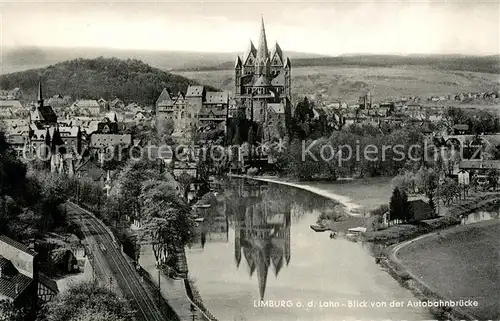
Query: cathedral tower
[[263, 86]]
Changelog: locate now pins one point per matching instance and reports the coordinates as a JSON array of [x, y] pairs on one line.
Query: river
[[256, 248]]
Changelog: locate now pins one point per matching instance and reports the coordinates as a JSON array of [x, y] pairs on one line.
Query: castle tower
[[249, 59], [263, 77], [237, 75], [276, 59]]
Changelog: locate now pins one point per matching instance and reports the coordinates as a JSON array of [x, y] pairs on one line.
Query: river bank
[[358, 196]]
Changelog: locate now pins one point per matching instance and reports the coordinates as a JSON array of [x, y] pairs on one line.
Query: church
[[263, 87]]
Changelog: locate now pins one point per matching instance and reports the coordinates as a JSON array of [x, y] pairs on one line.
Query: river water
[[256, 248]]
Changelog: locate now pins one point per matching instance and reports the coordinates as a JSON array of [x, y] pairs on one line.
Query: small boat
[[356, 230], [202, 206], [319, 228], [199, 219]]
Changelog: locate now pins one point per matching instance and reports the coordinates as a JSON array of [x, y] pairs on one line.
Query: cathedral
[[263, 87]]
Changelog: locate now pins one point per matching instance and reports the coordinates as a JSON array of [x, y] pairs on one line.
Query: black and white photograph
[[249, 160]]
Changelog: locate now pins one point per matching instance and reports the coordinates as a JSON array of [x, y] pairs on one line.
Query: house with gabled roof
[[116, 104], [87, 106], [20, 280]]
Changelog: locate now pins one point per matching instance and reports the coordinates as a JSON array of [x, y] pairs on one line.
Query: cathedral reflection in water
[[262, 233], [261, 225]]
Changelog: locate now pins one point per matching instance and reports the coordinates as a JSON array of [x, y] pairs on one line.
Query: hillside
[[129, 80], [349, 82], [24, 58], [487, 64]]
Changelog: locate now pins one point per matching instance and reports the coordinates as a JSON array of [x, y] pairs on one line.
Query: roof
[[111, 116], [278, 80], [262, 50], [102, 140], [69, 131], [116, 101], [39, 134], [250, 51], [92, 170], [421, 210], [87, 103], [277, 108], [461, 127], [237, 64], [17, 245], [262, 81], [165, 95], [288, 63], [48, 282], [8, 269], [213, 97], [195, 91], [11, 104], [277, 50], [14, 123], [44, 113], [480, 164], [9, 284]]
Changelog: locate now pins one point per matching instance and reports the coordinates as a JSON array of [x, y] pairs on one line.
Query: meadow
[[348, 83]]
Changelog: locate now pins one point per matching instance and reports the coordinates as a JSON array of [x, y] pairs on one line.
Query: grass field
[[384, 82], [461, 263]]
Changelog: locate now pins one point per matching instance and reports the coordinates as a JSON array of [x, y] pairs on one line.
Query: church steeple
[[262, 60], [40, 94]]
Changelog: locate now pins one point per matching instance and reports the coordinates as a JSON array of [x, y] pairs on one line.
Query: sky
[[332, 28]]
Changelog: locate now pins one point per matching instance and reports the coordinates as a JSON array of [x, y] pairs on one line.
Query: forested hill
[[130, 80]]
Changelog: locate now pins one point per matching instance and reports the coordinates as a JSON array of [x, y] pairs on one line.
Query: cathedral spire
[[262, 59]]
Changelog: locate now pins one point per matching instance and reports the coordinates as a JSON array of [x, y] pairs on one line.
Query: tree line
[[130, 80]]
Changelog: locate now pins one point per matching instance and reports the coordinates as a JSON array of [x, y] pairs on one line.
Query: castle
[[195, 110], [263, 87]]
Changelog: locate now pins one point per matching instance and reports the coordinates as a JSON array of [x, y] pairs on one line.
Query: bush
[[252, 171]]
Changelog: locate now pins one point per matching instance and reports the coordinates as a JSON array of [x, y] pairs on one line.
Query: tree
[[378, 214], [405, 181], [428, 180], [8, 312], [88, 301], [399, 208], [448, 190], [167, 218], [185, 180], [493, 176]]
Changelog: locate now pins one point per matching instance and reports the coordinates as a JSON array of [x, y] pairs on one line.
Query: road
[[114, 267]]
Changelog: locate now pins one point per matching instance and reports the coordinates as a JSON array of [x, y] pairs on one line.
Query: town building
[[11, 109], [105, 141], [185, 114], [88, 107], [263, 77], [116, 104], [20, 279], [11, 94], [104, 104]]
